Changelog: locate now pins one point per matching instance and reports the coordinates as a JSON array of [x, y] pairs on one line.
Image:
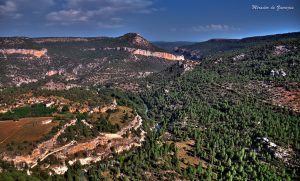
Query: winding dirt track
[[41, 151], [108, 140]]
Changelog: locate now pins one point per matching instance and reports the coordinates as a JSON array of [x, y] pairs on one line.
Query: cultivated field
[[26, 129]]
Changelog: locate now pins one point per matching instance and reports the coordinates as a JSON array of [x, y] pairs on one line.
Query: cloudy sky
[[167, 20]]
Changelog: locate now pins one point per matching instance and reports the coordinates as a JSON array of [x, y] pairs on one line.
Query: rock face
[[52, 72], [138, 40], [188, 65], [32, 52], [164, 55], [239, 57], [278, 73], [280, 50]]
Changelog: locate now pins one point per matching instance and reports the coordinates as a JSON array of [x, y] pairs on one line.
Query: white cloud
[[213, 27], [67, 16], [112, 23], [112, 4], [8, 7], [21, 8], [100, 12], [109, 25]]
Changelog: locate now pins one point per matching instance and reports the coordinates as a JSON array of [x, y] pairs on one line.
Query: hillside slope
[[198, 51], [80, 61]]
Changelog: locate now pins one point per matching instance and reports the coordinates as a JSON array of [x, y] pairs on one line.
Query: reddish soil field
[[26, 129], [286, 98]]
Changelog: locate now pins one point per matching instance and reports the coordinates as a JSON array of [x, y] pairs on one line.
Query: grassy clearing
[[117, 117], [185, 154]]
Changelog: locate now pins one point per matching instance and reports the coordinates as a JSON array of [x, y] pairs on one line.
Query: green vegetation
[[16, 175], [220, 46], [80, 95], [80, 131], [231, 122], [211, 122], [128, 99], [36, 110]]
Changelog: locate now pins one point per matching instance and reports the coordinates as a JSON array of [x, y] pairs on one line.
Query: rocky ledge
[[164, 55], [31, 52]]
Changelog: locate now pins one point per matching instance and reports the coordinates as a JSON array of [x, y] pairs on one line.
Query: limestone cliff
[[32, 52], [164, 55]]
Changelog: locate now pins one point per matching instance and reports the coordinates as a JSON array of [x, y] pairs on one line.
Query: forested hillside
[[233, 116]]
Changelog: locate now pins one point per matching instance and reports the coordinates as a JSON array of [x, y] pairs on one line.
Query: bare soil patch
[[286, 98], [26, 129]]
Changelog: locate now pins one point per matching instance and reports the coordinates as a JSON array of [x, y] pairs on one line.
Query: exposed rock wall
[[32, 52], [164, 55]]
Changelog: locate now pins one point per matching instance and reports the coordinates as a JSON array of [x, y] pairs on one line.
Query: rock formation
[[52, 72], [164, 55], [32, 52], [136, 39]]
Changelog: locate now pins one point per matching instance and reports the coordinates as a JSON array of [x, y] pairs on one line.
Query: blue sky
[[165, 20]]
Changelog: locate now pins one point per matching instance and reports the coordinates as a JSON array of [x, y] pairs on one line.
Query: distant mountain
[[170, 46], [201, 50], [79, 60]]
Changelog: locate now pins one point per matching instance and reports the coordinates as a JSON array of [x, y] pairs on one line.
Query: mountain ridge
[[85, 61], [203, 49]]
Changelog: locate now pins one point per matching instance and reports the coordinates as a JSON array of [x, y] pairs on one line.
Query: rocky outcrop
[[239, 57], [280, 50], [134, 51], [167, 56], [51, 73], [31, 52], [136, 40], [140, 41], [278, 73], [187, 65], [282, 153]]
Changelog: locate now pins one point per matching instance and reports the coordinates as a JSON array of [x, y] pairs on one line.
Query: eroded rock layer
[[31, 52]]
